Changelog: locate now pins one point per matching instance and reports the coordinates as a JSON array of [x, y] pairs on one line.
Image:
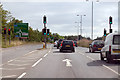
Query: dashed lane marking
[[45, 55], [90, 57], [37, 62], [19, 64], [9, 76], [23, 74]]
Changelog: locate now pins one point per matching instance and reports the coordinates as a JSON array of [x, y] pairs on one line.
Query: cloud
[[62, 16]]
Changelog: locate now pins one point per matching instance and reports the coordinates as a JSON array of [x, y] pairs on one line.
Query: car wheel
[[89, 50], [73, 50], [108, 57], [60, 50], [101, 57]]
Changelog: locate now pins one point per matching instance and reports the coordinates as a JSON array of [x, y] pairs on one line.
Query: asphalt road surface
[[50, 63]]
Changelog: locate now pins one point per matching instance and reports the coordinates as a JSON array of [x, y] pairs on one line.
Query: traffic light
[[48, 31], [44, 31], [110, 30], [44, 20], [8, 31], [4, 30], [104, 32], [110, 20]]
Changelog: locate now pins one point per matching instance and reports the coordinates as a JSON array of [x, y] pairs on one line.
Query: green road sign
[[21, 30]]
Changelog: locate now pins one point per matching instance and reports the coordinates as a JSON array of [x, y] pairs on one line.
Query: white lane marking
[[18, 64], [111, 69], [10, 61], [45, 55], [68, 64], [37, 62], [62, 53], [9, 76], [12, 69], [31, 52], [90, 58], [23, 74]]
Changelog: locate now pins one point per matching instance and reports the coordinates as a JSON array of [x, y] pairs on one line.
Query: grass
[[84, 43], [17, 43]]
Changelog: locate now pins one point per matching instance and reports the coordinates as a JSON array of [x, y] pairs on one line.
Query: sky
[[62, 15]]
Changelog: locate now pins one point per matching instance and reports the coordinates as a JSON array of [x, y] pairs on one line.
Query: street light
[[77, 30], [81, 23], [92, 19]]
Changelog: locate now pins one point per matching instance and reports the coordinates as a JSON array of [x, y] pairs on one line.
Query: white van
[[111, 49]]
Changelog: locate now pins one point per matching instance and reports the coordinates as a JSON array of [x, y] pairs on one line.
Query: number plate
[[99, 48], [67, 45], [116, 51]]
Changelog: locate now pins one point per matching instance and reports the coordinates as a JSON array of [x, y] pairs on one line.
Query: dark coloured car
[[59, 42], [75, 42], [67, 45], [96, 45]]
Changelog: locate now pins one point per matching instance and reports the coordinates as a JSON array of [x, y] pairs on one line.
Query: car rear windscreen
[[67, 42], [116, 39], [99, 42]]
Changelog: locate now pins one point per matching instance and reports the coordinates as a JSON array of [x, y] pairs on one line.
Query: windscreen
[[116, 39], [67, 42]]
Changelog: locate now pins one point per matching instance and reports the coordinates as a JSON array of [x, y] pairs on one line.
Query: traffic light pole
[[45, 37], [9, 39]]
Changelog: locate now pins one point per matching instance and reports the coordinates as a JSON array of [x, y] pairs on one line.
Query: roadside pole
[[5, 39], [9, 39], [44, 33], [45, 36]]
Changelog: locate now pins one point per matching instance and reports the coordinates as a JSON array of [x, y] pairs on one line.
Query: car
[[55, 43], [59, 42], [111, 50], [67, 45], [75, 42], [96, 45]]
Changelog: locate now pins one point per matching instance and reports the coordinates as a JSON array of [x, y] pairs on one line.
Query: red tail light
[[94, 45], [109, 48], [61, 43], [8, 29], [73, 43]]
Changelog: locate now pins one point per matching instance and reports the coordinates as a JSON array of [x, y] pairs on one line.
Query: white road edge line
[[45, 55], [23, 74], [111, 69], [37, 62]]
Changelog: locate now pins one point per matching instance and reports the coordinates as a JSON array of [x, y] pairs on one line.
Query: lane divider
[[104, 66], [111, 69], [90, 58], [37, 62], [23, 74], [45, 55]]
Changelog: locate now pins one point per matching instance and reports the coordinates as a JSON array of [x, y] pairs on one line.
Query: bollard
[[43, 45]]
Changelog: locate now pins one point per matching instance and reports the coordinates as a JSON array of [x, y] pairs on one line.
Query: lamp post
[[92, 19], [81, 23], [77, 30]]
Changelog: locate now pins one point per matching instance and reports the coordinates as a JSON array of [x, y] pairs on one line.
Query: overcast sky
[[62, 16]]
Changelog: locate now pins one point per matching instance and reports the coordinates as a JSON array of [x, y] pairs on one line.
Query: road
[[50, 63]]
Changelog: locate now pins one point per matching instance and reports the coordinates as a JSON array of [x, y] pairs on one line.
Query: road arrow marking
[[68, 64]]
